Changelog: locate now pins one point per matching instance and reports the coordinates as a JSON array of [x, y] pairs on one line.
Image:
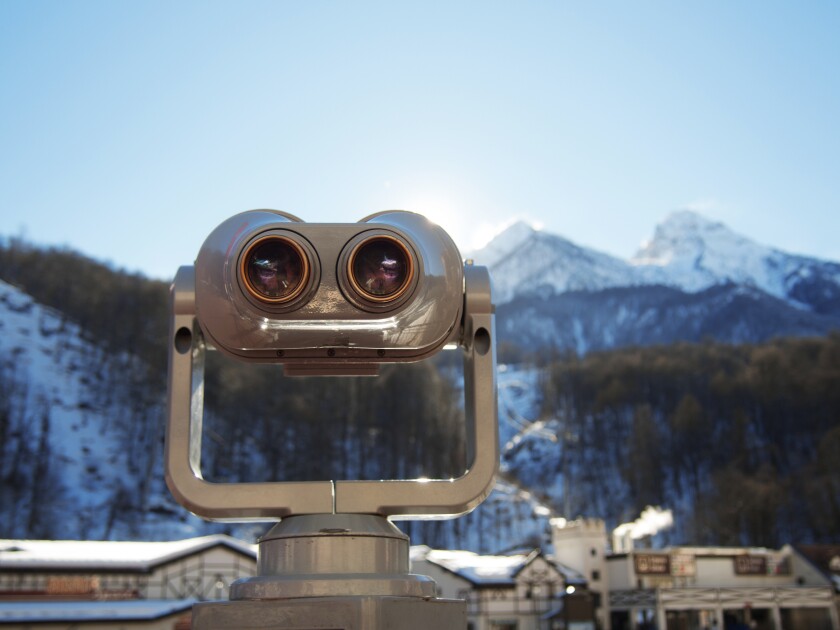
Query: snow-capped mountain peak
[[692, 252], [688, 252], [523, 259], [505, 241], [686, 235]]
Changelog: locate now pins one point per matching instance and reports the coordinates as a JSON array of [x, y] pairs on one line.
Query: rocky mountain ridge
[[694, 279], [687, 252]]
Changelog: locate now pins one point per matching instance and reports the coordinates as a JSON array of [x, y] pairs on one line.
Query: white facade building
[[523, 591], [84, 584], [699, 588], [580, 544]]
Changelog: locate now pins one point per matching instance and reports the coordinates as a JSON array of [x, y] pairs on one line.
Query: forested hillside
[[259, 425], [118, 311], [741, 441], [98, 349]]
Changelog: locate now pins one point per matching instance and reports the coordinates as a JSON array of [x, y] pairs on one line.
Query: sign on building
[[747, 564], [652, 564]]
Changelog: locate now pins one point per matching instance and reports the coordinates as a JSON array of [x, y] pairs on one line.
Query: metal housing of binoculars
[[329, 299]]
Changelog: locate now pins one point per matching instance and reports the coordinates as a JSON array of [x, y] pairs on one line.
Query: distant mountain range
[[694, 279], [81, 427]]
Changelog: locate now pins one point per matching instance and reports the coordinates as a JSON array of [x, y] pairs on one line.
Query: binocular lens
[[275, 269], [381, 268]]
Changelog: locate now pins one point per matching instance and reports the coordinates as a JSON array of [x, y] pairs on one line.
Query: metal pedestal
[[333, 572]]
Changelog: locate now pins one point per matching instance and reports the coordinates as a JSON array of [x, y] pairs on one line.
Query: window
[[593, 552], [596, 575], [503, 625]]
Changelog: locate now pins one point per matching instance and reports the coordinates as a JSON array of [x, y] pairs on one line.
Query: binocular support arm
[[408, 499], [401, 499], [217, 501]]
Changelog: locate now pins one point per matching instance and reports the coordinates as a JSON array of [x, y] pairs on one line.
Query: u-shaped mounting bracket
[[399, 499]]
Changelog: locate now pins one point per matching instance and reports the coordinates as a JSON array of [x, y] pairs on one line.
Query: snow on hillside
[[42, 351], [67, 434]]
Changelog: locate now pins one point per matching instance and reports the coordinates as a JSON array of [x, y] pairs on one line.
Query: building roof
[[488, 570], [107, 555], [826, 558], [77, 612], [700, 552]]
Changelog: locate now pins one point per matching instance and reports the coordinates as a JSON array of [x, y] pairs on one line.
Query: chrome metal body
[[335, 561], [399, 499], [330, 331]]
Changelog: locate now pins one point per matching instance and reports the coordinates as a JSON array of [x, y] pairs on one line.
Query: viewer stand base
[[333, 572]]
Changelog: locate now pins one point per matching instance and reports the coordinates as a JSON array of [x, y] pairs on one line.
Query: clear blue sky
[[128, 130]]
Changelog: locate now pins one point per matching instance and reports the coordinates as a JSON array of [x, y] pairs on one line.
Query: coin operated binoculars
[[331, 299]]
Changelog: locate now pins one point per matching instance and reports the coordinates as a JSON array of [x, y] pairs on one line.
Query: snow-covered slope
[[73, 455], [48, 358]]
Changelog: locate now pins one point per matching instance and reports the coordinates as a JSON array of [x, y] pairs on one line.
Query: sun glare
[[446, 214]]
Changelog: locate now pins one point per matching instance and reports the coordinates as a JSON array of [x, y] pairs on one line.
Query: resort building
[[519, 591], [700, 588], [50, 584]]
